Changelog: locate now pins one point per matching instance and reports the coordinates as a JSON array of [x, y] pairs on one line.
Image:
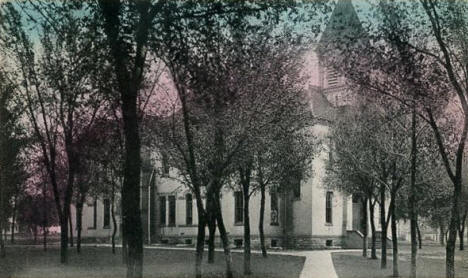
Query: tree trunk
[[211, 238], [34, 233], [2, 242], [79, 225], [71, 228], [364, 226], [460, 236], [224, 237], [260, 223], [13, 220], [114, 220], [383, 224], [129, 85], [412, 198], [395, 243], [211, 229], [44, 237], [419, 235], [132, 226], [247, 247], [200, 235], [73, 165], [124, 246], [245, 175], [373, 233], [461, 229], [450, 246], [442, 233], [452, 230], [64, 238], [45, 216]]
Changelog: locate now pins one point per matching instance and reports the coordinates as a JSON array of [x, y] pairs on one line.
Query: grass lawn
[[100, 262], [430, 264]]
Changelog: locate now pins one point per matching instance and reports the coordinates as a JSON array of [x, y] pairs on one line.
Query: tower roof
[[343, 27]]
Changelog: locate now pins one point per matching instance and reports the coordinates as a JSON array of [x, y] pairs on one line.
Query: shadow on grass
[[430, 264], [32, 262]]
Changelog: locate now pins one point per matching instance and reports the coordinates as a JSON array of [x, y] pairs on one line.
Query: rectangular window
[[162, 210], [239, 207], [274, 208], [328, 207], [188, 209], [106, 213], [172, 210]]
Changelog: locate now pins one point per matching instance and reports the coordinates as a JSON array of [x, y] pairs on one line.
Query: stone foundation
[[300, 242]]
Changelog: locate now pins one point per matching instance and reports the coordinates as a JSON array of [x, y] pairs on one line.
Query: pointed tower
[[343, 25], [342, 30]]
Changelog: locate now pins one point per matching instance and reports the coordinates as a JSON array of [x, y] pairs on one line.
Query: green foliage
[[12, 143]]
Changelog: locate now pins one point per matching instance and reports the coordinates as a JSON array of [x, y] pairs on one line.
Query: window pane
[[172, 210], [328, 207], [274, 208], [162, 210], [188, 209], [238, 210], [106, 213], [95, 214]]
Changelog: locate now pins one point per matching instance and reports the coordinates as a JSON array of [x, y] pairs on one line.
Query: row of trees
[[413, 56], [257, 124], [12, 139], [373, 151], [87, 76]]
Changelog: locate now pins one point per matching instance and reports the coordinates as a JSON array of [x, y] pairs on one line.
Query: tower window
[[332, 77]]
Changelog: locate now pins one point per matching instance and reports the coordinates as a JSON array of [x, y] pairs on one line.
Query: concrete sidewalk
[[318, 264]]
